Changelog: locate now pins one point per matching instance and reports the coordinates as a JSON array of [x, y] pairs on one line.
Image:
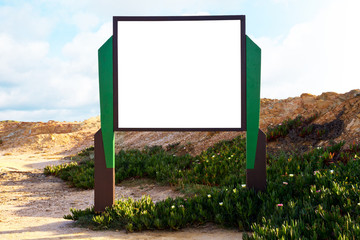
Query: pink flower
[[318, 190], [280, 205], [285, 183], [316, 172]]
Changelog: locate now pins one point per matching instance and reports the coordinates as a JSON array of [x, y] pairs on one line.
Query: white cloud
[[109, 8], [79, 47], [287, 2], [17, 57], [46, 115], [315, 56], [31, 80], [24, 22], [85, 21], [283, 1], [196, 14]]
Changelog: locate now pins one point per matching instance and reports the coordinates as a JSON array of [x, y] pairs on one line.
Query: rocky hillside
[[339, 114], [58, 138], [333, 110]]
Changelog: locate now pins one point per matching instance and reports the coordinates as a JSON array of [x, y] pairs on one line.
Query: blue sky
[[48, 49]]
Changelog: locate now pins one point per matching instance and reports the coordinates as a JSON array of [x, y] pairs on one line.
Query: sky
[[48, 49]]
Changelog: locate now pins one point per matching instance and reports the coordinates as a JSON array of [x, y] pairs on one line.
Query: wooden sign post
[[179, 73]]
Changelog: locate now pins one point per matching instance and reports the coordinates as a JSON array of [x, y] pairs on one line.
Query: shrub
[[80, 175], [221, 164], [313, 195], [299, 124]]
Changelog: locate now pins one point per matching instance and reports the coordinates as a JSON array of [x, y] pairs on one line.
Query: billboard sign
[[184, 73]]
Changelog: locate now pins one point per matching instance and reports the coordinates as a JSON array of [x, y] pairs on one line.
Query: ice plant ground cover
[[314, 195], [303, 128]]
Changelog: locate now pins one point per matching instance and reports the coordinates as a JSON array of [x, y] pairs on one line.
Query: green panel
[[105, 56], [253, 75]]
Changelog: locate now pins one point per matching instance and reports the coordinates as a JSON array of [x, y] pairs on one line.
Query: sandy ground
[[32, 205]]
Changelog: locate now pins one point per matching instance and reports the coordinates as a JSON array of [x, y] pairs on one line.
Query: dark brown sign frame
[[180, 18]]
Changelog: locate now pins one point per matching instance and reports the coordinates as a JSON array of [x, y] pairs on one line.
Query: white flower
[[173, 206], [243, 185], [209, 196], [213, 156], [234, 190], [221, 203], [291, 175], [331, 171]]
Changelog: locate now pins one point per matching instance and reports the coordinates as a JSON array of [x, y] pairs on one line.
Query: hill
[[338, 114]]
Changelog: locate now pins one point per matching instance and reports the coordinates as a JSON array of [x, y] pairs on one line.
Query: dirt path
[[32, 205]]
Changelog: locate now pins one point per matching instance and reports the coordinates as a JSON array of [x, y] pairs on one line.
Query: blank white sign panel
[[179, 74]]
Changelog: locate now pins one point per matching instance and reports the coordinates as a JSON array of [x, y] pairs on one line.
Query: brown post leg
[[104, 177], [256, 178]]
